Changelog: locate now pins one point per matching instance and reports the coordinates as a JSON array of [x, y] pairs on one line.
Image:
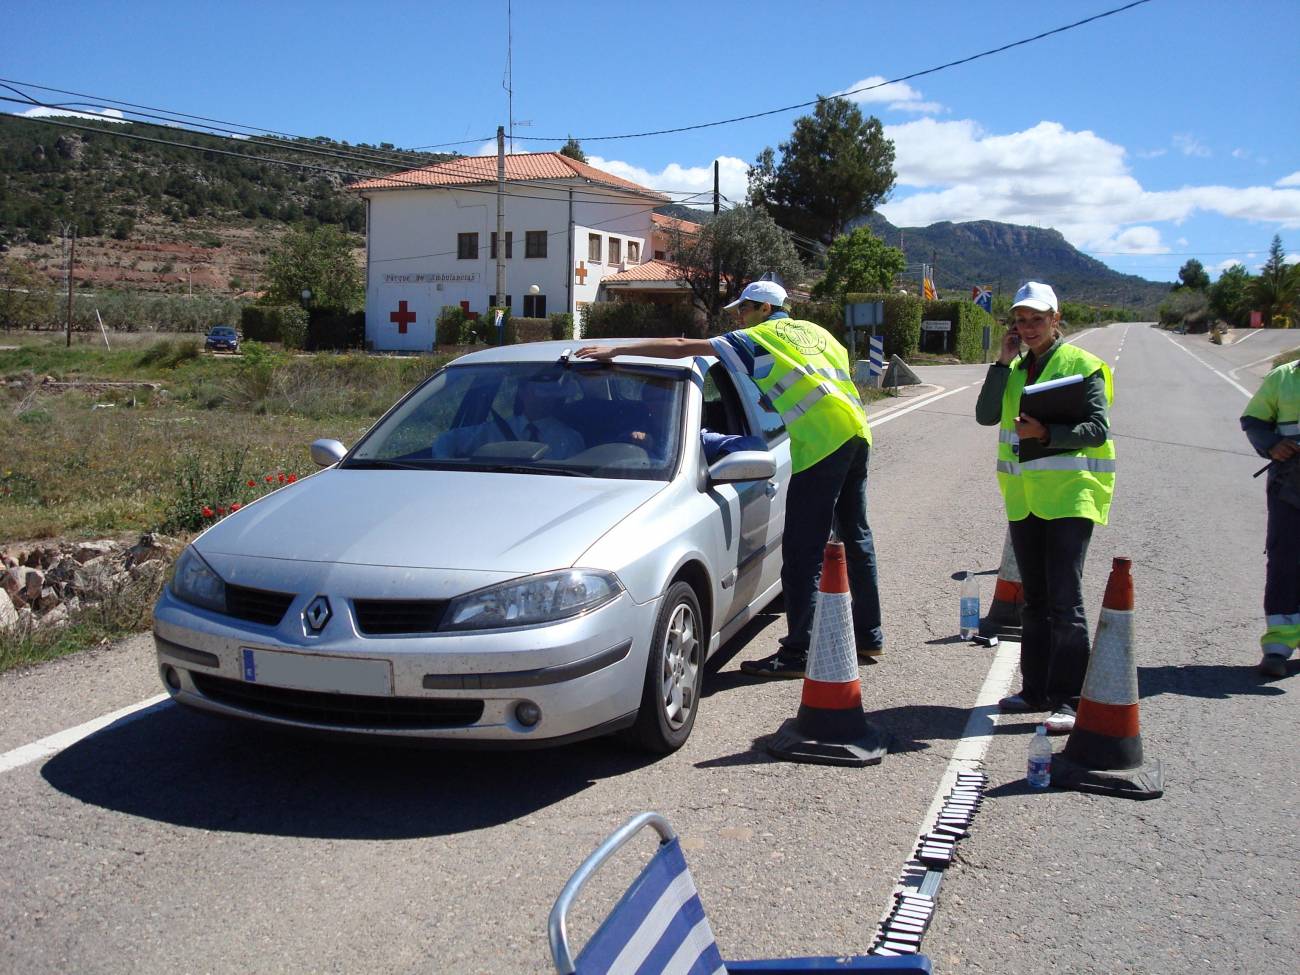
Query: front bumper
[[585, 675]]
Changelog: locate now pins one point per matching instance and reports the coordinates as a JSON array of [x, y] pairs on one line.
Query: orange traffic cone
[[1008, 597], [1104, 751], [830, 727]]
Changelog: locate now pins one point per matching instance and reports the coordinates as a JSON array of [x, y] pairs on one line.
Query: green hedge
[[286, 324], [561, 325], [528, 329], [627, 319], [968, 321], [338, 331]]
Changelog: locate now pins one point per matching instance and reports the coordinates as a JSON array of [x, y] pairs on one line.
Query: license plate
[[312, 672]]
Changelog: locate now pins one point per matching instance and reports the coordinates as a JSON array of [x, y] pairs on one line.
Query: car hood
[[514, 523]]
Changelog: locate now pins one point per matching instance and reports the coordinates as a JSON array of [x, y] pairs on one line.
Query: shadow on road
[[714, 681], [195, 771], [1206, 680]]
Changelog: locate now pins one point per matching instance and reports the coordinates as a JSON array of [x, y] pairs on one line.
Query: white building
[[431, 240]]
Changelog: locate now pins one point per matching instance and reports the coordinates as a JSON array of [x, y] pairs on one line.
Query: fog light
[[171, 677], [527, 713]]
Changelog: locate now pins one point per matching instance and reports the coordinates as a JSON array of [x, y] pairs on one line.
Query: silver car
[[527, 549]]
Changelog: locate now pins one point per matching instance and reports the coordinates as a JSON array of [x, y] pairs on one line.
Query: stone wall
[[46, 583]]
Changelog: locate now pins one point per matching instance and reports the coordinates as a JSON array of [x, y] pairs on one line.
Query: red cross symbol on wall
[[402, 317], [580, 272]]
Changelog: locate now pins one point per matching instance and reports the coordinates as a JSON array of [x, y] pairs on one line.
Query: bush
[[336, 330], [169, 353], [628, 319], [274, 323], [528, 329], [453, 326], [968, 322], [561, 325]]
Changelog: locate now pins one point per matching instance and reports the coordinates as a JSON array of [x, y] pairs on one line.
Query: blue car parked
[[221, 338]]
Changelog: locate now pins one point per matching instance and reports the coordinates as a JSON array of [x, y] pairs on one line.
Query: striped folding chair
[[658, 926]]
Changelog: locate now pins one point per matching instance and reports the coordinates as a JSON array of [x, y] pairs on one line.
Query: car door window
[[770, 424]]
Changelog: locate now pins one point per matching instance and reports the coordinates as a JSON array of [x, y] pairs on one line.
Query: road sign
[[936, 326]]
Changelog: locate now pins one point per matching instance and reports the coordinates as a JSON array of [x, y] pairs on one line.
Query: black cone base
[[1145, 782], [792, 745]]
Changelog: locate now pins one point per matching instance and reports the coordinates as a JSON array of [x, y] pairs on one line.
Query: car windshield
[[223, 333], [536, 418]]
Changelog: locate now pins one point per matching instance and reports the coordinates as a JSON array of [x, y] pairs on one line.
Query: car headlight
[[195, 582], [542, 598]]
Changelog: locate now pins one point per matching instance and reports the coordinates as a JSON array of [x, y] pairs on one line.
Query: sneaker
[[867, 654], [775, 667], [1060, 722], [1273, 665], [1019, 704]]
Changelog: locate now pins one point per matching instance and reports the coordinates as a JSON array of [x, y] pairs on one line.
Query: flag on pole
[[983, 297], [927, 290]]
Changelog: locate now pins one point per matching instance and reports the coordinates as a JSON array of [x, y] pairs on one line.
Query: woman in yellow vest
[[1054, 494], [803, 373]]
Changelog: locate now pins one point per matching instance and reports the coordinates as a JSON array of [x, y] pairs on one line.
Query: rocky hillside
[[1003, 255]]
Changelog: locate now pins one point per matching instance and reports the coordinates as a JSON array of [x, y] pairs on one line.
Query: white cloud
[[1150, 153], [1134, 240], [733, 177], [1224, 265], [1240, 153], [1182, 242], [113, 115], [1049, 176], [1292, 180], [1189, 145], [1291, 259], [897, 96]]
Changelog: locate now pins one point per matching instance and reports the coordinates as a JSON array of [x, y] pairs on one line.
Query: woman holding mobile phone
[[1052, 501]]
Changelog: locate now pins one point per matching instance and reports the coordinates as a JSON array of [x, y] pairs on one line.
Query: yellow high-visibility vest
[[805, 377], [1074, 484], [1277, 400]]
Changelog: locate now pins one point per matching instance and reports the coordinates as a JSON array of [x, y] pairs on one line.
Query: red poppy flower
[[207, 512], [252, 483], [281, 478], [235, 506], [269, 479], [220, 510], [292, 478]]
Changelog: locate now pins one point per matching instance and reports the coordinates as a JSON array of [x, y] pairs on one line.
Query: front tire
[[674, 674]]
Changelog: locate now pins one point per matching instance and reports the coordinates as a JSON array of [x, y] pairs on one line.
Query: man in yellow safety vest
[[804, 375]]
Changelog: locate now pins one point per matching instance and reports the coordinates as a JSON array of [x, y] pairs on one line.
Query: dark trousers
[[1054, 632], [831, 492], [1282, 575]]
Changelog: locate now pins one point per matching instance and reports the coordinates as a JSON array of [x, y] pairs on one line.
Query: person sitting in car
[[534, 421]]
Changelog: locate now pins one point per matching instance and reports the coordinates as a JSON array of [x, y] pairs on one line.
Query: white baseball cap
[[1036, 295], [765, 292]]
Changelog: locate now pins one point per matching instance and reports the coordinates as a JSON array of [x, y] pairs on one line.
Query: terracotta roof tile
[[649, 271], [472, 170], [667, 222]]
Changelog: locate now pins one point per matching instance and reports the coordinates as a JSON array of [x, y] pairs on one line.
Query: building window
[[467, 247], [534, 243], [534, 306], [634, 251], [615, 251], [593, 248], [492, 302], [510, 244], [659, 256]]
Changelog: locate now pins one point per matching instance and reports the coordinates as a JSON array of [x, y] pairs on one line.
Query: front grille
[[381, 617], [339, 710], [257, 605]]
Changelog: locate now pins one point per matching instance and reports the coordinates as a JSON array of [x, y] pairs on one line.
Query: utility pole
[[72, 260], [717, 257], [501, 216]]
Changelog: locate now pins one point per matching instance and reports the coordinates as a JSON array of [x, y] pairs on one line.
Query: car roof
[[551, 351]]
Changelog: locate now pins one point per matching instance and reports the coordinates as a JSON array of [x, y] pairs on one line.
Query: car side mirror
[[326, 453], [743, 465]]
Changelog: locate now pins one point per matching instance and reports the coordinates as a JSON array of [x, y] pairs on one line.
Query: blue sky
[[1167, 131]]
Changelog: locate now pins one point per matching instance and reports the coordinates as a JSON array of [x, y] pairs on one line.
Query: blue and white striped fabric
[[657, 928]]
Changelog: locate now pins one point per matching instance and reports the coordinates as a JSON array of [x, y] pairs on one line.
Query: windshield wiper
[[536, 469], [375, 464]]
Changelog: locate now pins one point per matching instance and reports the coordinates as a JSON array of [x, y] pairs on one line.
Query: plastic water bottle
[[970, 606], [1039, 773]]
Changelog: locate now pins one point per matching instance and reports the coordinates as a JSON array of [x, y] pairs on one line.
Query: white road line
[[1233, 372], [1249, 335], [55, 743], [1237, 386], [895, 413]]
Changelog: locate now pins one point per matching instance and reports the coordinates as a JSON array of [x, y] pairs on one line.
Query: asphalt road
[[173, 843]]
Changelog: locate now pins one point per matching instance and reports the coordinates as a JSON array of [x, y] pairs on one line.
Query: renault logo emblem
[[317, 614]]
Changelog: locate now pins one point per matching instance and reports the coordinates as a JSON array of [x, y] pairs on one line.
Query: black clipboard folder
[[1063, 400]]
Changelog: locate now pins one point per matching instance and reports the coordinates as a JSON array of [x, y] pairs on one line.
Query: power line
[[855, 91]]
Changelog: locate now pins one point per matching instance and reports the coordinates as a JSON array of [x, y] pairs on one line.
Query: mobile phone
[[1015, 336]]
